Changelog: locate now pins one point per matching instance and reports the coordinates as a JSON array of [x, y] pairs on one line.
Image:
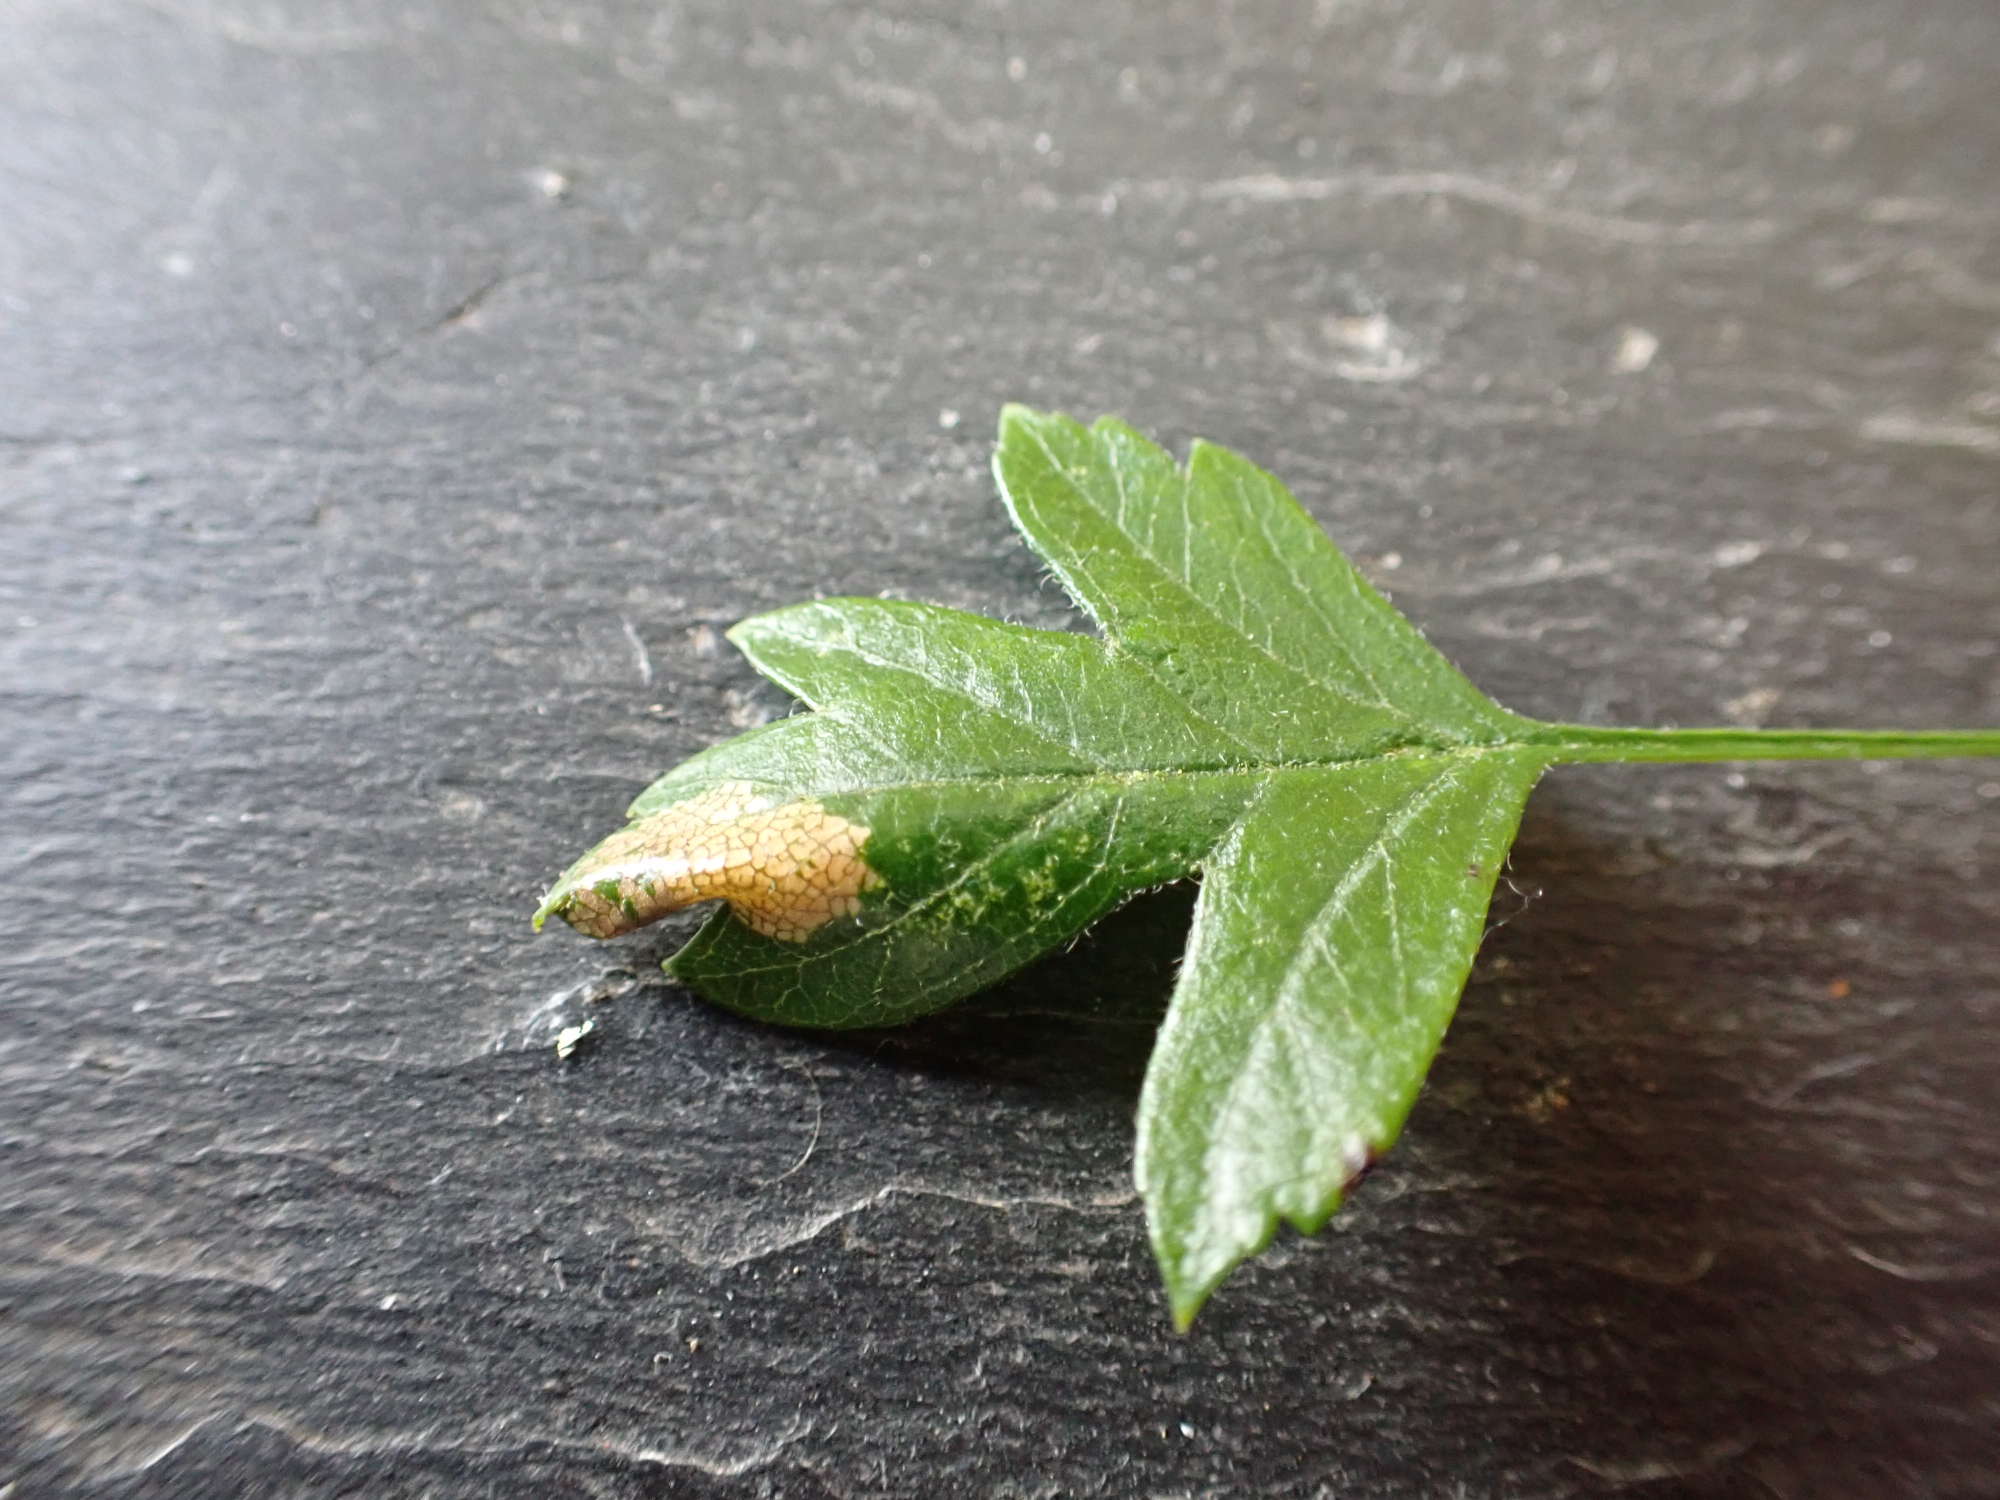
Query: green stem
[[1577, 743]]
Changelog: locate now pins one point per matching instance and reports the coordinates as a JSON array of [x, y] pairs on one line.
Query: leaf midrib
[[1253, 769], [884, 931], [1274, 1005], [1185, 588]]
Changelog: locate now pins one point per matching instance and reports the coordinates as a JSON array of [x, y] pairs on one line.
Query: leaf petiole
[[1583, 743]]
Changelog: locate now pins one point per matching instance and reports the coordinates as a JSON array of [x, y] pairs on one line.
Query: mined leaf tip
[[786, 869]]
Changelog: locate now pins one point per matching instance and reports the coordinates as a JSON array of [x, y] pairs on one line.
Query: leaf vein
[[1185, 589], [882, 931]]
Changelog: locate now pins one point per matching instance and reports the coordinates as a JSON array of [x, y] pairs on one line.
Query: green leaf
[[1334, 930], [965, 796], [1216, 582]]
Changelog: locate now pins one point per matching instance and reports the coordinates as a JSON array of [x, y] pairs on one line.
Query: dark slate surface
[[397, 400]]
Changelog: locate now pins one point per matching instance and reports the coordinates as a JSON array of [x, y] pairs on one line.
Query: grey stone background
[[396, 402]]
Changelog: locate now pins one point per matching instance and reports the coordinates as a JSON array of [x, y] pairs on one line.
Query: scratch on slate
[[639, 652], [1891, 427], [1839, 1067], [467, 307], [924, 108], [720, 1466], [209, 20], [1650, 1470], [1629, 1267], [812, 1141], [782, 1237], [1269, 187], [1970, 1270]]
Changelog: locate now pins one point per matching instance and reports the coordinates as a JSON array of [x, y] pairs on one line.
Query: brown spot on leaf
[[785, 868]]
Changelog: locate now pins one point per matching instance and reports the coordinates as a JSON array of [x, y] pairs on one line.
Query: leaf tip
[[1042, 427], [1185, 1304], [749, 634], [786, 868], [1193, 1265], [552, 903], [1018, 414], [1191, 1280]]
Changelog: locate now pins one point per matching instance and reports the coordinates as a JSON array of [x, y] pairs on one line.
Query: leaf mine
[[785, 868]]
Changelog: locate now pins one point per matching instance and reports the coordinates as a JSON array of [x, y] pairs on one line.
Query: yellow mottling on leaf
[[785, 868]]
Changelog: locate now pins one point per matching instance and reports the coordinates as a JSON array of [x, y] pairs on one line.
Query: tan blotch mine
[[785, 868]]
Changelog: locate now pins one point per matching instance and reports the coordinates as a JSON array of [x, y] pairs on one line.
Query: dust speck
[[1737, 554], [1636, 348]]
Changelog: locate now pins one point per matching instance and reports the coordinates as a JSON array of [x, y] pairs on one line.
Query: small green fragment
[[966, 796]]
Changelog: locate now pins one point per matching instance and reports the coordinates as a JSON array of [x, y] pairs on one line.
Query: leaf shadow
[[1633, 1181], [1078, 1021], [1609, 1148], [1621, 1195]]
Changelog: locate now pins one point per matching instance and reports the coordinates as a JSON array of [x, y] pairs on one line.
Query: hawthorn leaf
[[963, 796], [1214, 581], [1333, 933]]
